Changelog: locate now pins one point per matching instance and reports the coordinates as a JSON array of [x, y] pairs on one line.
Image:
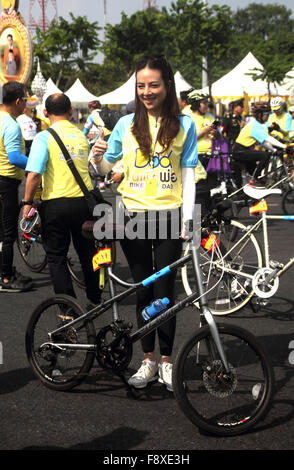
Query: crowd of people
[[163, 143]]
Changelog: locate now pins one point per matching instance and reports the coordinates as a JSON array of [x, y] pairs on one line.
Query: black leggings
[[144, 258], [9, 209], [243, 157]]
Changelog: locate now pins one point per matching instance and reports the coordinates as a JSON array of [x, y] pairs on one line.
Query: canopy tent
[[288, 84], [181, 84], [121, 95], [79, 95], [237, 83], [51, 88]]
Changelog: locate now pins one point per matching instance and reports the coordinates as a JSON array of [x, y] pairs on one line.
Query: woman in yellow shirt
[[158, 147]]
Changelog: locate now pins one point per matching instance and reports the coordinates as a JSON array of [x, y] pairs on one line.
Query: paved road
[[98, 415]]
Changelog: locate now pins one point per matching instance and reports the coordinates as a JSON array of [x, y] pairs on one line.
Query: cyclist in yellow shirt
[[279, 122], [206, 125], [158, 147]]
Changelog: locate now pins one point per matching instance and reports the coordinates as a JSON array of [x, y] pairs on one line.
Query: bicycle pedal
[[263, 302]]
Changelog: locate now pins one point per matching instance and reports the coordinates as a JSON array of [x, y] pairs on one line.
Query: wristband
[[27, 203]]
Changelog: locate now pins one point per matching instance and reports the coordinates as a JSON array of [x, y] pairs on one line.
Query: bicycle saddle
[[260, 193], [102, 231]]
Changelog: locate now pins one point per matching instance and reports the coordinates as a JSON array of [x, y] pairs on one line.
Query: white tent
[[181, 84], [237, 82], [288, 83], [122, 95], [50, 89], [79, 95]]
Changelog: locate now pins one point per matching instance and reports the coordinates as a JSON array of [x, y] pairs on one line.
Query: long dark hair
[[170, 123]]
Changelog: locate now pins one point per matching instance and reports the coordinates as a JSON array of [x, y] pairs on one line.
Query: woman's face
[[151, 90]]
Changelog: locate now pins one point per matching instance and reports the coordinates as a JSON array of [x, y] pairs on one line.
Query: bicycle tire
[[288, 202], [31, 249], [59, 370], [244, 257], [219, 403]]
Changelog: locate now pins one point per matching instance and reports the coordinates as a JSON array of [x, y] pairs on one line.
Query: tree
[[195, 31], [266, 31], [135, 35], [263, 21], [66, 48]]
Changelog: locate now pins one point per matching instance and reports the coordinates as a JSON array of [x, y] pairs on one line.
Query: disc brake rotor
[[217, 382]]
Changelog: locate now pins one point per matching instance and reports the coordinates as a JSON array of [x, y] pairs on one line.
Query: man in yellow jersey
[[12, 164], [64, 209], [206, 124], [279, 122], [207, 130]]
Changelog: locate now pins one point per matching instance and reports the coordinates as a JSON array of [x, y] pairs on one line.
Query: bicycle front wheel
[[288, 202], [59, 368], [225, 269], [31, 248], [221, 403]]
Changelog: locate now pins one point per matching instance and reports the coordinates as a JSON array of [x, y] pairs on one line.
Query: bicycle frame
[[261, 222], [158, 320]]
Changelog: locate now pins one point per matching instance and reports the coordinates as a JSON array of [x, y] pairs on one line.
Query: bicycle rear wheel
[[221, 403], [59, 368], [226, 291]]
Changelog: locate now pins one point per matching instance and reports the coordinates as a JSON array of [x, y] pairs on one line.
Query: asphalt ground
[[99, 416]]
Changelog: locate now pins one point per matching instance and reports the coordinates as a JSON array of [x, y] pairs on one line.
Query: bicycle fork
[[205, 310]]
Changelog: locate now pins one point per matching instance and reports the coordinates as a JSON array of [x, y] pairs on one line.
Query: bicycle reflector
[[210, 243], [261, 206]]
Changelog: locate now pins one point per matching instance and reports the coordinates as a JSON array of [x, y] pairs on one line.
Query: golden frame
[[12, 25]]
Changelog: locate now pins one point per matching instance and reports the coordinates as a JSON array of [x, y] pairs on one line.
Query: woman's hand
[[99, 148]]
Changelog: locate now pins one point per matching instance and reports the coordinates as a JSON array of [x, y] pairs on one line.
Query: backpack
[[219, 159], [110, 117]]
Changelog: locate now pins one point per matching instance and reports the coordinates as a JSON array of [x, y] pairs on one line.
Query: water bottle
[[156, 307]]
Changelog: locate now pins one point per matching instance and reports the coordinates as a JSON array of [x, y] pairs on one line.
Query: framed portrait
[[16, 50]]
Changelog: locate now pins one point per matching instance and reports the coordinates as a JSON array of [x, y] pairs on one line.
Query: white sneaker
[[165, 372], [147, 373]]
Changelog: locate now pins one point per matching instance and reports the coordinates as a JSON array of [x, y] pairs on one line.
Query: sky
[[95, 8]]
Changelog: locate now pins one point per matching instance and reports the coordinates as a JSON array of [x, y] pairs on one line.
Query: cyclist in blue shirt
[[12, 165], [254, 133]]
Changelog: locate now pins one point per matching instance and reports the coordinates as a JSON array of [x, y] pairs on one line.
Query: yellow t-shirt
[[284, 120], [154, 182], [11, 140], [204, 143], [46, 158]]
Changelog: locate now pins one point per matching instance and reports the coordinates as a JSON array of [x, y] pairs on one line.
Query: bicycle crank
[[113, 347], [265, 283]]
